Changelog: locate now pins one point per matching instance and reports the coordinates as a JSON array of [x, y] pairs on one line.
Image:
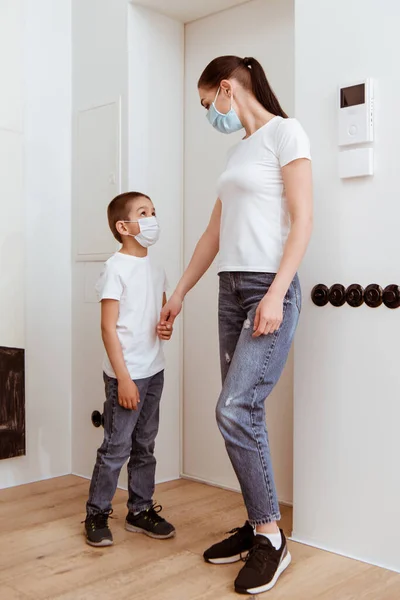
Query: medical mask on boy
[[149, 231], [224, 123]]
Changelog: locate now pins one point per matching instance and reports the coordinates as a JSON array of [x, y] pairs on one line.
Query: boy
[[131, 291]]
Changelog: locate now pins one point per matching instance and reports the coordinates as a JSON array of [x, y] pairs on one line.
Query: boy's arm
[[164, 332], [128, 394]]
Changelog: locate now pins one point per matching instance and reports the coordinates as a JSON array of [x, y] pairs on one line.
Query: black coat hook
[[97, 419], [355, 295]]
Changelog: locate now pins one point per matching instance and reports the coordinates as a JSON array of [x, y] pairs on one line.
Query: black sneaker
[[150, 523], [97, 531], [231, 549], [263, 566]]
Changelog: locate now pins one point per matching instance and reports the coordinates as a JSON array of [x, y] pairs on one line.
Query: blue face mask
[[224, 123]]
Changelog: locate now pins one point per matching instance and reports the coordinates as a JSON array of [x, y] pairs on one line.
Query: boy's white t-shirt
[[139, 286], [255, 221]]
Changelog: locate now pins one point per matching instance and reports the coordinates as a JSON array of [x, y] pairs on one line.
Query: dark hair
[[249, 73], [119, 209]]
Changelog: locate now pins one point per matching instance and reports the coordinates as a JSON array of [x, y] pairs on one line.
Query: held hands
[[269, 315], [164, 330], [128, 394], [168, 315]]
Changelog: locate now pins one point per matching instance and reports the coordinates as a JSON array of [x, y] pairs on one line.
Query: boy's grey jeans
[[250, 369], [128, 434]]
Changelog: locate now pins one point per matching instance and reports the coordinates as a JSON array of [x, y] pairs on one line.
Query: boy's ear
[[121, 228]]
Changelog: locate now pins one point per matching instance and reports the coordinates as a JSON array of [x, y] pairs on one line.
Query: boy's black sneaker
[[150, 523], [97, 531], [231, 549], [264, 565]]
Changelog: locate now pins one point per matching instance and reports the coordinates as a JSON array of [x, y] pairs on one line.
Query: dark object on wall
[[373, 295], [97, 419], [337, 295], [355, 295], [12, 402], [320, 295], [391, 296]]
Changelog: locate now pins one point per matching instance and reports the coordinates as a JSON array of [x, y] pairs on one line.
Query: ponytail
[[261, 88], [249, 73]]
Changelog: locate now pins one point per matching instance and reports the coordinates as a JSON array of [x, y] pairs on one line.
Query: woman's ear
[[226, 88]]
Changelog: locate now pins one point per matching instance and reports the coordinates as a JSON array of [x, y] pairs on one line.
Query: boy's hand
[[128, 394], [164, 331]]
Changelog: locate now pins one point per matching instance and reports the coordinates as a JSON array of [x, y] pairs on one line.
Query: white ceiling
[[188, 10]]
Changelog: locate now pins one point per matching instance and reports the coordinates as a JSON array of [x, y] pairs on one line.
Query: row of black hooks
[[355, 295]]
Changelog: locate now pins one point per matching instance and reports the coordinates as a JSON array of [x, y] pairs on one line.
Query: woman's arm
[[297, 179], [203, 256]]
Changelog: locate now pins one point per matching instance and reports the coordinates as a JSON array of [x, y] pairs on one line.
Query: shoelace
[[258, 555], [152, 514], [236, 532], [99, 520]]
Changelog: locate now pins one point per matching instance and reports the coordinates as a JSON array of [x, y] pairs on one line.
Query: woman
[[260, 225]]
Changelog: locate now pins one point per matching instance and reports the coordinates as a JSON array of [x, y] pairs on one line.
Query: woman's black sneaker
[[263, 566], [97, 531], [231, 549], [150, 523]]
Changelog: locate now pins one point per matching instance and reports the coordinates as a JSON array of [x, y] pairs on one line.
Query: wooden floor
[[43, 554]]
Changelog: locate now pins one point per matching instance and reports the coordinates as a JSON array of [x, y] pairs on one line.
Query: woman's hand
[[170, 311], [269, 315]]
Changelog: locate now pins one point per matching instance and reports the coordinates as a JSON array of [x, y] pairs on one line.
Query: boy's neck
[[131, 247]]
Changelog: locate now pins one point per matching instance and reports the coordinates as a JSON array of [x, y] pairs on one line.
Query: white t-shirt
[[139, 286], [255, 221]]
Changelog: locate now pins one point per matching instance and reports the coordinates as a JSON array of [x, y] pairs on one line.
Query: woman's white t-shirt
[[139, 286], [255, 221]]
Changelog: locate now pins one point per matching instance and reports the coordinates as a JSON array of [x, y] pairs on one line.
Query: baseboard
[[312, 544], [222, 487], [81, 476], [29, 481], [208, 482], [121, 487]]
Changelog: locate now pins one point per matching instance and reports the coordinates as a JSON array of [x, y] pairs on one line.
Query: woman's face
[[224, 98]]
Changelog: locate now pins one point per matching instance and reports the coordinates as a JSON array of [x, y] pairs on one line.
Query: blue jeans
[[127, 434], [250, 369]]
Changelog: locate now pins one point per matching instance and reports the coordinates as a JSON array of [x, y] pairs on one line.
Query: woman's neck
[[254, 116]]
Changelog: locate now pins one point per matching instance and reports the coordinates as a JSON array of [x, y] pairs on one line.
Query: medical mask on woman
[[224, 123], [149, 231]]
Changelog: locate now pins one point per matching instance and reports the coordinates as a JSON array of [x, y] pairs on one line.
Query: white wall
[[156, 54], [141, 64], [11, 177], [347, 380], [185, 11], [264, 29], [100, 76], [43, 102]]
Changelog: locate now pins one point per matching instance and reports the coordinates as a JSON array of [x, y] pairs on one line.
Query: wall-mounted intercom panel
[[356, 113]]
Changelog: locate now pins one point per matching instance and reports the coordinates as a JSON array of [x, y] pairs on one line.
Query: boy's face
[[140, 208]]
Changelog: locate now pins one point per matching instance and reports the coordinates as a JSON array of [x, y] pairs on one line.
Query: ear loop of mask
[[215, 99]]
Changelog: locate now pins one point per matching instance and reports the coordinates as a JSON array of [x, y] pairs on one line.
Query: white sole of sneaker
[[265, 588], [225, 561], [133, 529], [101, 544]]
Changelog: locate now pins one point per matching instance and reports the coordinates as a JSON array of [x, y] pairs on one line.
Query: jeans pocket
[[297, 292]]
